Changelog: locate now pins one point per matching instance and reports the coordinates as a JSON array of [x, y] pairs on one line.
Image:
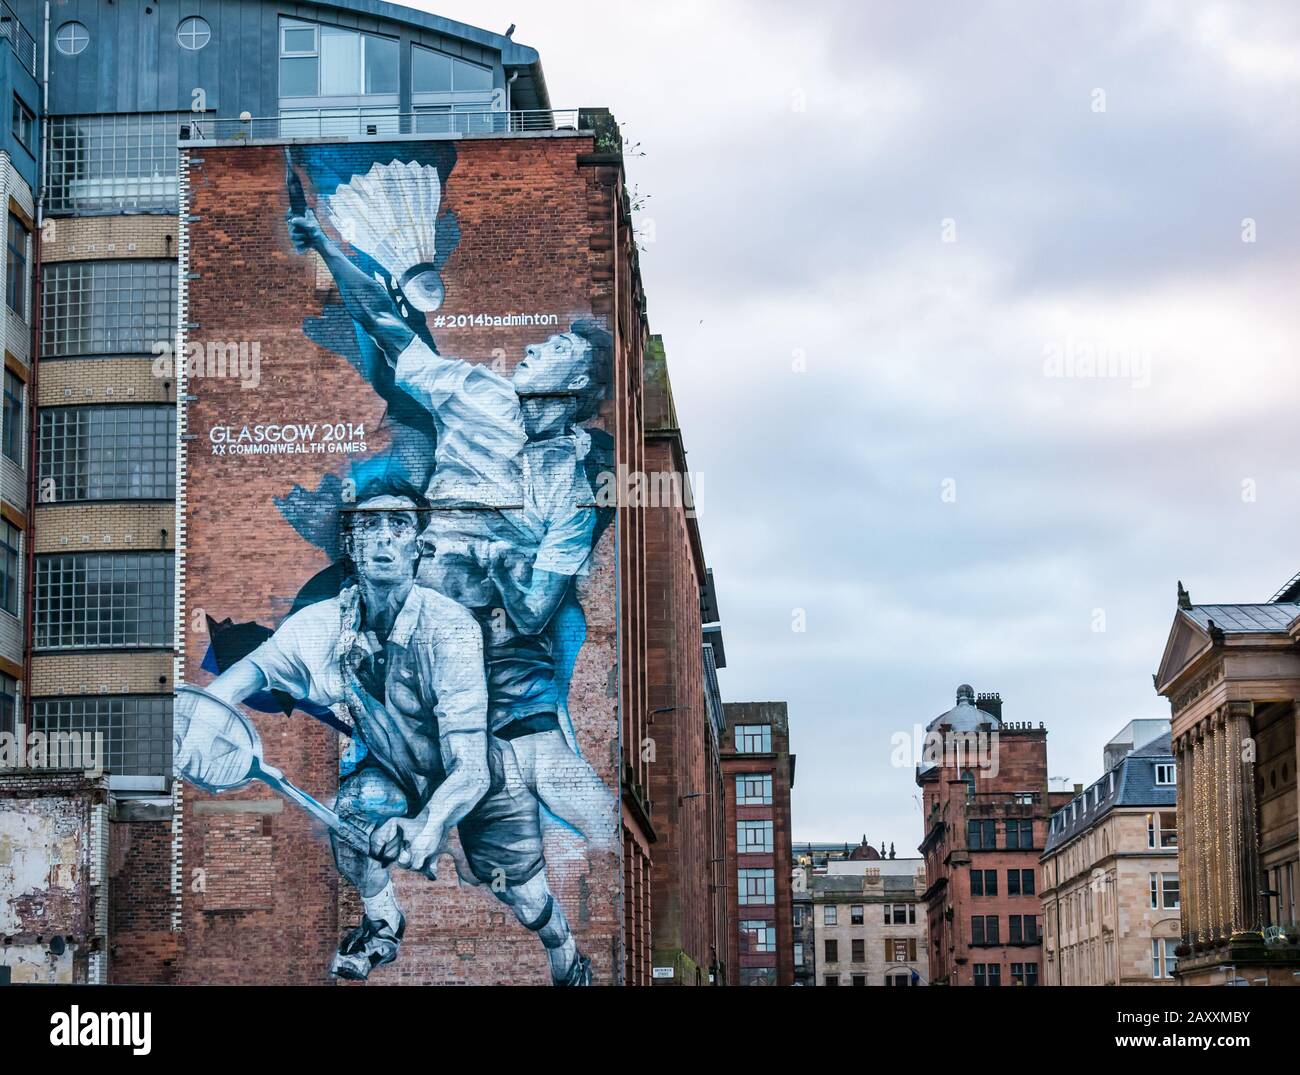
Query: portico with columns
[[1232, 677]]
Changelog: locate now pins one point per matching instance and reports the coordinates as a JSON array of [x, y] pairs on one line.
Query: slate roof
[[1135, 785], [1246, 619]]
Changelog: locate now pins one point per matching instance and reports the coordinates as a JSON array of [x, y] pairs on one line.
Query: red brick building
[[758, 775], [686, 717], [544, 238], [987, 812]]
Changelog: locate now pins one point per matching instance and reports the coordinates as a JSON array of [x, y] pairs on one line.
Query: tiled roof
[[1246, 619], [1134, 785]]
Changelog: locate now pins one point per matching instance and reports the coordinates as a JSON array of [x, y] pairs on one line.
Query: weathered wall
[[523, 229], [51, 874]]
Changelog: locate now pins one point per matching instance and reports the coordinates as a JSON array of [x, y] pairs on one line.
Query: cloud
[[800, 172]]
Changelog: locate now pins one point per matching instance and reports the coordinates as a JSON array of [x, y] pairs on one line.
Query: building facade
[[869, 923], [1110, 886], [1232, 677], [987, 810], [758, 775], [174, 311], [689, 908]]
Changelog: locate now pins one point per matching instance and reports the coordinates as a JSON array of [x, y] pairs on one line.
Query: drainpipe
[[33, 386]]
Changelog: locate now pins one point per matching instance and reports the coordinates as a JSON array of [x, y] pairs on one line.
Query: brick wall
[[537, 235]]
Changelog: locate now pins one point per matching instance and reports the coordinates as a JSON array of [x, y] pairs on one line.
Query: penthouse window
[[754, 790], [107, 307], [104, 601], [107, 453], [107, 164], [137, 729], [452, 94], [753, 739], [1166, 776], [754, 837], [337, 81]]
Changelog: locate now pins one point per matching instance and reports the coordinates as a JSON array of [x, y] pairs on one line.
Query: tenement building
[[1232, 677], [327, 520], [986, 805], [689, 923], [1110, 885], [869, 922], [758, 775]]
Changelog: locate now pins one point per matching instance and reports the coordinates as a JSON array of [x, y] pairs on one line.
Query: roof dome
[[864, 852], [964, 717]]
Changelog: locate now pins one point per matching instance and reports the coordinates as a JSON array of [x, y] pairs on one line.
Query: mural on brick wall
[[441, 639]]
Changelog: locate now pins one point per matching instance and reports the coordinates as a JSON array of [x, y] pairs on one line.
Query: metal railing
[[328, 124], [19, 39]]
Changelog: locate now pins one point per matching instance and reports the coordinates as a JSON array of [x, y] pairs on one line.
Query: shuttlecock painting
[[391, 214]]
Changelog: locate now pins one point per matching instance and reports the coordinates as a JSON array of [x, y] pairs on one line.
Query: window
[[105, 601], [753, 739], [857, 914], [984, 882], [988, 974], [753, 790], [1022, 929], [756, 887], [1020, 882], [984, 930], [1162, 830], [859, 953], [8, 703], [107, 453], [12, 430], [832, 951], [106, 164], [798, 916], [72, 39], [1025, 798], [759, 935], [10, 559], [1165, 891], [1164, 958], [1024, 973], [830, 915], [330, 61], [982, 835], [1020, 834], [436, 72], [22, 123], [1166, 775], [137, 729], [798, 955], [754, 837], [193, 33], [16, 267], [860, 980], [107, 307], [832, 979]]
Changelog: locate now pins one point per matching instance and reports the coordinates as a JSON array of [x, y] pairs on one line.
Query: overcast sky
[[880, 234]]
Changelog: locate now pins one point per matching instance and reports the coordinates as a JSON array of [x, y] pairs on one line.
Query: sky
[[981, 320]]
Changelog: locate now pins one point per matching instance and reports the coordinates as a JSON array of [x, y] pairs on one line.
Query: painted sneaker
[[579, 973], [372, 944]]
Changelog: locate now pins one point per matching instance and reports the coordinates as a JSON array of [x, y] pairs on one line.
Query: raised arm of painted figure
[[365, 299]]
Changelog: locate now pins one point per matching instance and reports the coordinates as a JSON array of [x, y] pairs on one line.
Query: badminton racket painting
[[217, 749]]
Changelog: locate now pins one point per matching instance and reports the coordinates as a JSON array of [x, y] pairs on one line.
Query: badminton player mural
[[443, 637]]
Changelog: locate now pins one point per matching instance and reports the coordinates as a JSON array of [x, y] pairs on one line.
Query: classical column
[[1186, 829], [1247, 869], [1225, 851], [1204, 851]]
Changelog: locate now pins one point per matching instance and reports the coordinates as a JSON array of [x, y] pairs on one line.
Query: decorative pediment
[[1188, 642]]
